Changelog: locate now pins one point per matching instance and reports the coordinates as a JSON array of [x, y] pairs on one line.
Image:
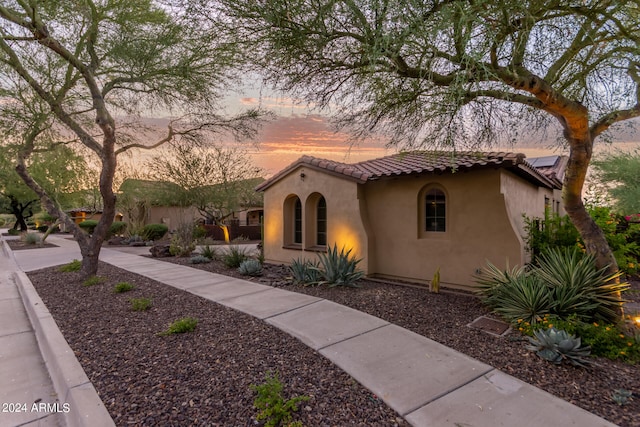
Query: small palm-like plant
[[557, 346], [339, 268], [578, 287]]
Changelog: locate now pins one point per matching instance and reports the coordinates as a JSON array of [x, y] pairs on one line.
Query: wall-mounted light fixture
[[302, 175]]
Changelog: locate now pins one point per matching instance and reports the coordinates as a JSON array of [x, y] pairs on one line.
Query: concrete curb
[[70, 382]]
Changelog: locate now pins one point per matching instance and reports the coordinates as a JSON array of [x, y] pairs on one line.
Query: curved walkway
[[427, 383]]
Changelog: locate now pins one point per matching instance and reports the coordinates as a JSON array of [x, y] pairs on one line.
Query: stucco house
[[408, 214]]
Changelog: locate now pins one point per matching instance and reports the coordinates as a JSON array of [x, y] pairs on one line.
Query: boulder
[[160, 250]]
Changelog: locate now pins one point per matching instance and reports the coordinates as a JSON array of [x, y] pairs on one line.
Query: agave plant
[[578, 287], [339, 268], [557, 346], [305, 272], [250, 267]]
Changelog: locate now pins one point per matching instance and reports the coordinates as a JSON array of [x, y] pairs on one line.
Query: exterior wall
[[172, 216], [344, 224], [525, 199], [478, 228], [384, 222]]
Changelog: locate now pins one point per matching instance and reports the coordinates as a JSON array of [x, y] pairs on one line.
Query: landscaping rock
[[160, 250]]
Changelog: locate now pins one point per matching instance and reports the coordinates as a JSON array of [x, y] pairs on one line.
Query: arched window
[[297, 222], [321, 222], [292, 222], [435, 211]]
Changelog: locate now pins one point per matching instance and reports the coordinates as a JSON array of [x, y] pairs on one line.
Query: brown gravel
[[204, 377]]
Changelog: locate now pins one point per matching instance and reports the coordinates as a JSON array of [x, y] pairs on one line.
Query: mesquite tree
[[453, 71], [84, 72]]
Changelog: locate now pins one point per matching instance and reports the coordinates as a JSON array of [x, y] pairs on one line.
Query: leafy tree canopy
[[457, 73], [85, 71], [216, 180], [621, 172]]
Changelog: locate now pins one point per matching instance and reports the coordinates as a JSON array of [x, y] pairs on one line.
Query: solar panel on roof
[[543, 162]]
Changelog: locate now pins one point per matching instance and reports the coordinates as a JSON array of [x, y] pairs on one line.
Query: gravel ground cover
[[199, 378], [203, 378], [444, 318]]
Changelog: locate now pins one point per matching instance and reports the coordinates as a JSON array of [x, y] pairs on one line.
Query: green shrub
[[154, 231], [250, 267], [31, 238], [74, 265], [140, 304], [42, 228], [123, 287], [339, 269], [117, 228], [566, 283], [182, 242], [181, 326], [13, 232], [274, 409], [605, 340], [199, 259], [88, 225], [578, 287], [209, 252], [305, 272], [557, 346], [93, 280], [234, 256]]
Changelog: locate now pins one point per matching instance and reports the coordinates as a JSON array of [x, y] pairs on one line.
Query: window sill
[[316, 249], [295, 247]]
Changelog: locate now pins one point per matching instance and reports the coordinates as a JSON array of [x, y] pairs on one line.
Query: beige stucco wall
[[523, 198], [384, 222], [344, 225]]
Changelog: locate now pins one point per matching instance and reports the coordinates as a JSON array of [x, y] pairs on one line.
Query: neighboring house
[[408, 214], [82, 214], [154, 202]]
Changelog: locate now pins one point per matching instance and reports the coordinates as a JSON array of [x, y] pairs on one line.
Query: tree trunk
[[594, 238]]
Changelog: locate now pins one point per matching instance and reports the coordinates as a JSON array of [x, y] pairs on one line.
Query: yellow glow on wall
[[270, 230], [345, 236]]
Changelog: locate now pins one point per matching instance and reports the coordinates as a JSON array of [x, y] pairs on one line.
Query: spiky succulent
[[250, 267], [557, 346]]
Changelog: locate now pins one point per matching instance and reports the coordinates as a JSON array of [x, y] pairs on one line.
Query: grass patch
[[140, 304], [93, 280], [123, 287], [180, 326], [74, 265]]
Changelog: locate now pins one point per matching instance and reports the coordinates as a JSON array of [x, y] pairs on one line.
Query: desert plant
[[154, 231], [122, 287], [578, 287], [92, 281], [13, 232], [88, 225], [74, 265], [621, 396], [234, 256], [30, 238], [199, 259], [557, 346], [524, 297], [339, 268], [140, 304], [182, 242], [274, 409], [305, 272], [181, 326], [250, 267], [209, 252]]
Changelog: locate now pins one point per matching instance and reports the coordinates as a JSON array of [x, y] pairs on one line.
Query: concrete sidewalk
[[427, 383]]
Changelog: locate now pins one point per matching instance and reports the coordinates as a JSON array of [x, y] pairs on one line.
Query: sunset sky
[[297, 131]]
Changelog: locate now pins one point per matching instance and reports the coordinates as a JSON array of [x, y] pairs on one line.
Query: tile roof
[[420, 162]]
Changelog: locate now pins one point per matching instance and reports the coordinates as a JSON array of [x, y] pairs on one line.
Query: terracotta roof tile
[[417, 162]]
